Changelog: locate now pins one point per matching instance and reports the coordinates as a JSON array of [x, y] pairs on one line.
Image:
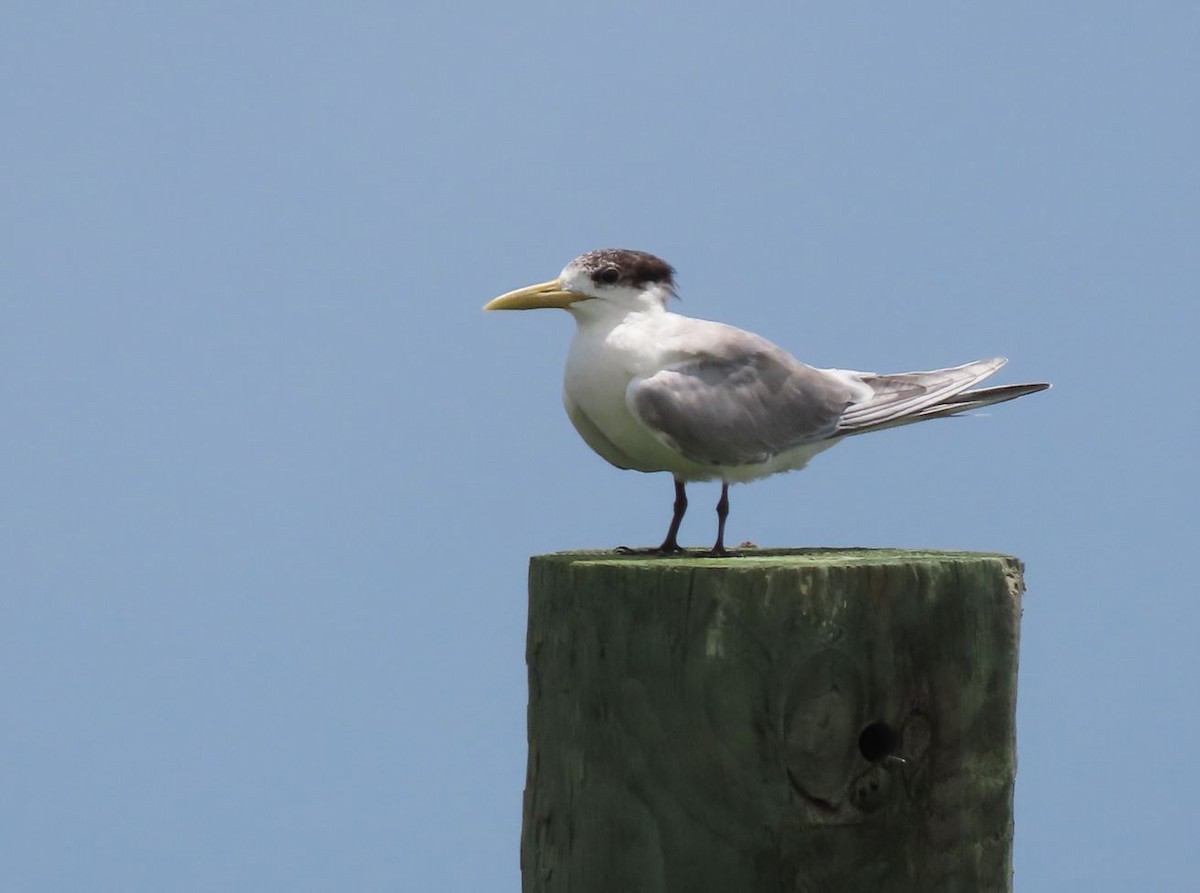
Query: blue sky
[[269, 478]]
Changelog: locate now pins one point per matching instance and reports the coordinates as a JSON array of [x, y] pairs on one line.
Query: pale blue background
[[270, 478]]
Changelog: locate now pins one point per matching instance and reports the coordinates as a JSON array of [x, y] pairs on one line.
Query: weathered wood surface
[[809, 720]]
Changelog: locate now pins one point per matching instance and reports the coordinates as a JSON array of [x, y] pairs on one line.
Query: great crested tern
[[651, 390]]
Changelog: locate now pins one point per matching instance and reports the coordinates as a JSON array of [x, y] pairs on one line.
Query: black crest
[[621, 266]]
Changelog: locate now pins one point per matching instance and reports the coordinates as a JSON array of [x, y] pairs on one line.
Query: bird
[[652, 390]]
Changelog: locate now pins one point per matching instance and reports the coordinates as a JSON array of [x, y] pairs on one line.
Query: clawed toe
[[664, 549]]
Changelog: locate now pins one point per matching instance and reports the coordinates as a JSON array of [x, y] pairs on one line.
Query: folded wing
[[740, 403], [745, 400]]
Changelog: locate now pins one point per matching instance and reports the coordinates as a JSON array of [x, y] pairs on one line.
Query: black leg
[[722, 514], [671, 544]]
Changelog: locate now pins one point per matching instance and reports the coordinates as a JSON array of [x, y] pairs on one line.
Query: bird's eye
[[607, 276]]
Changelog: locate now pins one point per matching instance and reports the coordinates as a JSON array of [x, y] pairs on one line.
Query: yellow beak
[[544, 294]]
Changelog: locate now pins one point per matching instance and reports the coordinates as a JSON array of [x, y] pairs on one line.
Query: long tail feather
[[917, 396]]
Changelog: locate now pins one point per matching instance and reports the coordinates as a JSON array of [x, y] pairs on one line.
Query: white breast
[[603, 360]]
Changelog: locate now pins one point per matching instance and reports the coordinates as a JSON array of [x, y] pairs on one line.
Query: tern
[[655, 391]]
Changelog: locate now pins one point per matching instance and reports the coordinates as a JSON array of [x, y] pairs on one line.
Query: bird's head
[[611, 279]]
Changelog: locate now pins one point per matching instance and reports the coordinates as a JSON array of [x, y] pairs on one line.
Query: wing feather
[[737, 399], [740, 402], [902, 397]]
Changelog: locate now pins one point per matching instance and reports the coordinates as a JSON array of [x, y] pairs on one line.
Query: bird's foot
[[664, 549]]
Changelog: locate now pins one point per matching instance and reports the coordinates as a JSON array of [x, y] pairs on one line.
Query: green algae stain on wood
[[785, 721]]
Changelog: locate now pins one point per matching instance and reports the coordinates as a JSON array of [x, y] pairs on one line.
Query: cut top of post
[[757, 558]]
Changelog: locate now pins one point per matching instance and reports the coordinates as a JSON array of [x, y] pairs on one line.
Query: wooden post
[[807, 720]]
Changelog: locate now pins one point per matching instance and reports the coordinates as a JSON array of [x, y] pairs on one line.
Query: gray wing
[[915, 396], [739, 402]]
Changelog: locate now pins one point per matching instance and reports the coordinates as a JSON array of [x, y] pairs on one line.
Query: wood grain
[[809, 720]]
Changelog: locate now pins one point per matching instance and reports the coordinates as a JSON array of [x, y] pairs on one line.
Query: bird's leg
[[718, 548], [671, 544]]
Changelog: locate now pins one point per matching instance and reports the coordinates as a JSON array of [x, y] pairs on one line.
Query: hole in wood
[[877, 742]]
